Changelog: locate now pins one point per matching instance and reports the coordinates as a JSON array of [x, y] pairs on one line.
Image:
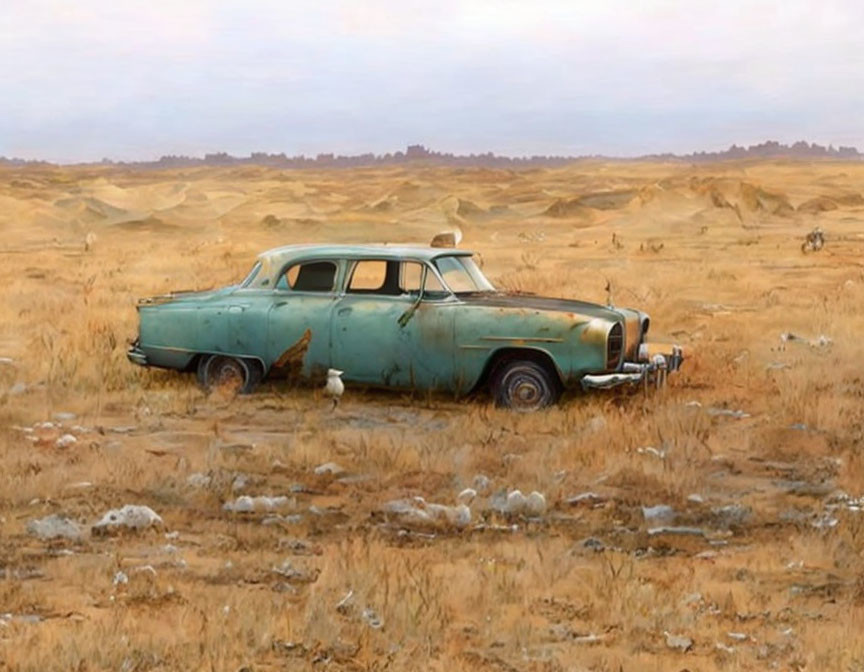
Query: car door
[[383, 335], [298, 325]]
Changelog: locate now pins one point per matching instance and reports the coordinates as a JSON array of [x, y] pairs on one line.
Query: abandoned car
[[422, 318]]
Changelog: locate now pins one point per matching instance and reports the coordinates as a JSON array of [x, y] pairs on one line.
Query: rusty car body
[[422, 318]]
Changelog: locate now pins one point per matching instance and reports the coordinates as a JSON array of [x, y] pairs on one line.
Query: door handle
[[344, 311]]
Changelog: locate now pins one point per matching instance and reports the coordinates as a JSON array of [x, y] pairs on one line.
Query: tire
[[524, 385], [232, 374]]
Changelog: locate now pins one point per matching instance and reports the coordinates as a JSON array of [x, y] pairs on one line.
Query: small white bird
[[334, 387]]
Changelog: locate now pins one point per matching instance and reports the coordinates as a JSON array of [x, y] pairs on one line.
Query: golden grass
[[723, 282]]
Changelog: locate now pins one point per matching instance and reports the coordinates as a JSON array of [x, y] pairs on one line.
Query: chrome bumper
[[136, 355], [653, 371]]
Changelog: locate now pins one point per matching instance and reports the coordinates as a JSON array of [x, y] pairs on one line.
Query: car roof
[[287, 253]]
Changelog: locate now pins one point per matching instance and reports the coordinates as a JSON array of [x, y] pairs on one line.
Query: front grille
[[614, 346]]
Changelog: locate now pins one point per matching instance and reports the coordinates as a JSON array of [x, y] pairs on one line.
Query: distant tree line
[[419, 153]]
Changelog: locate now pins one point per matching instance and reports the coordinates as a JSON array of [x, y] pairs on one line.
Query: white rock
[[55, 527], [659, 512], [466, 496], [329, 469], [516, 502], [481, 483], [66, 441], [120, 578], [243, 504], [247, 504], [679, 642], [535, 504], [198, 480], [131, 516], [371, 618]]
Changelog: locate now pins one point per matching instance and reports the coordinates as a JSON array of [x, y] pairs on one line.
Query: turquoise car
[[414, 318]]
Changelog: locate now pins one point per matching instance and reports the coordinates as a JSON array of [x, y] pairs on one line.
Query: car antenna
[[609, 292]]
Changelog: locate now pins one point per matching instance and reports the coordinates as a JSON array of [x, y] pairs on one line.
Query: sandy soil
[[756, 445]]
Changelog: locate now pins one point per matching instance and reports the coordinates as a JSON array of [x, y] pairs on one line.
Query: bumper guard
[[653, 370], [136, 355]]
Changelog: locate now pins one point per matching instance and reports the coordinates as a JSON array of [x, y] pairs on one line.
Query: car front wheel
[[231, 374], [524, 385]]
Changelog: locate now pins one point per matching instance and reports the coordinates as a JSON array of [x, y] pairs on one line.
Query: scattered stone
[[658, 513], [738, 636], [418, 513], [586, 498], [678, 642], [55, 527], [198, 480], [66, 441], [731, 515], [17, 389], [714, 411], [651, 450], [592, 544], [535, 505], [276, 519], [247, 504], [329, 469], [681, 531], [64, 416], [290, 573], [372, 619], [820, 342], [481, 483], [724, 649], [695, 498], [120, 579], [517, 504], [466, 496], [240, 481], [130, 517]]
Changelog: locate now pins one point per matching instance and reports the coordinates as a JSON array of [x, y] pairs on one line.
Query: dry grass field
[[757, 445]]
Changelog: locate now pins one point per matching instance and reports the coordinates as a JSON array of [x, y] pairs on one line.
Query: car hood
[[532, 302]]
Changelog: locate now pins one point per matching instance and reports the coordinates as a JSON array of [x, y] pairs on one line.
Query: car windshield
[[252, 274], [462, 275]]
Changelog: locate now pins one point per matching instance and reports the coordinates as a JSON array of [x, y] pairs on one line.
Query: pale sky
[[135, 79]]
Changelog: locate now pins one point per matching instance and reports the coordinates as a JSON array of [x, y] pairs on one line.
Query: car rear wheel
[[524, 385], [230, 374]]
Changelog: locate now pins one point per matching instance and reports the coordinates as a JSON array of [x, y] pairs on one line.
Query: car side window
[[410, 277], [375, 276], [433, 289], [310, 276]]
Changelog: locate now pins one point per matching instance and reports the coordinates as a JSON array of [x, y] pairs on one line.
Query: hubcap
[[228, 375], [525, 391]]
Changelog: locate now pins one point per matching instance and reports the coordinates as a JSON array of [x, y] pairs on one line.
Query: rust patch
[[293, 356]]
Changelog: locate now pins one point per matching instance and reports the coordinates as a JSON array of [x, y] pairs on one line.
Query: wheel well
[[192, 366], [504, 355]]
